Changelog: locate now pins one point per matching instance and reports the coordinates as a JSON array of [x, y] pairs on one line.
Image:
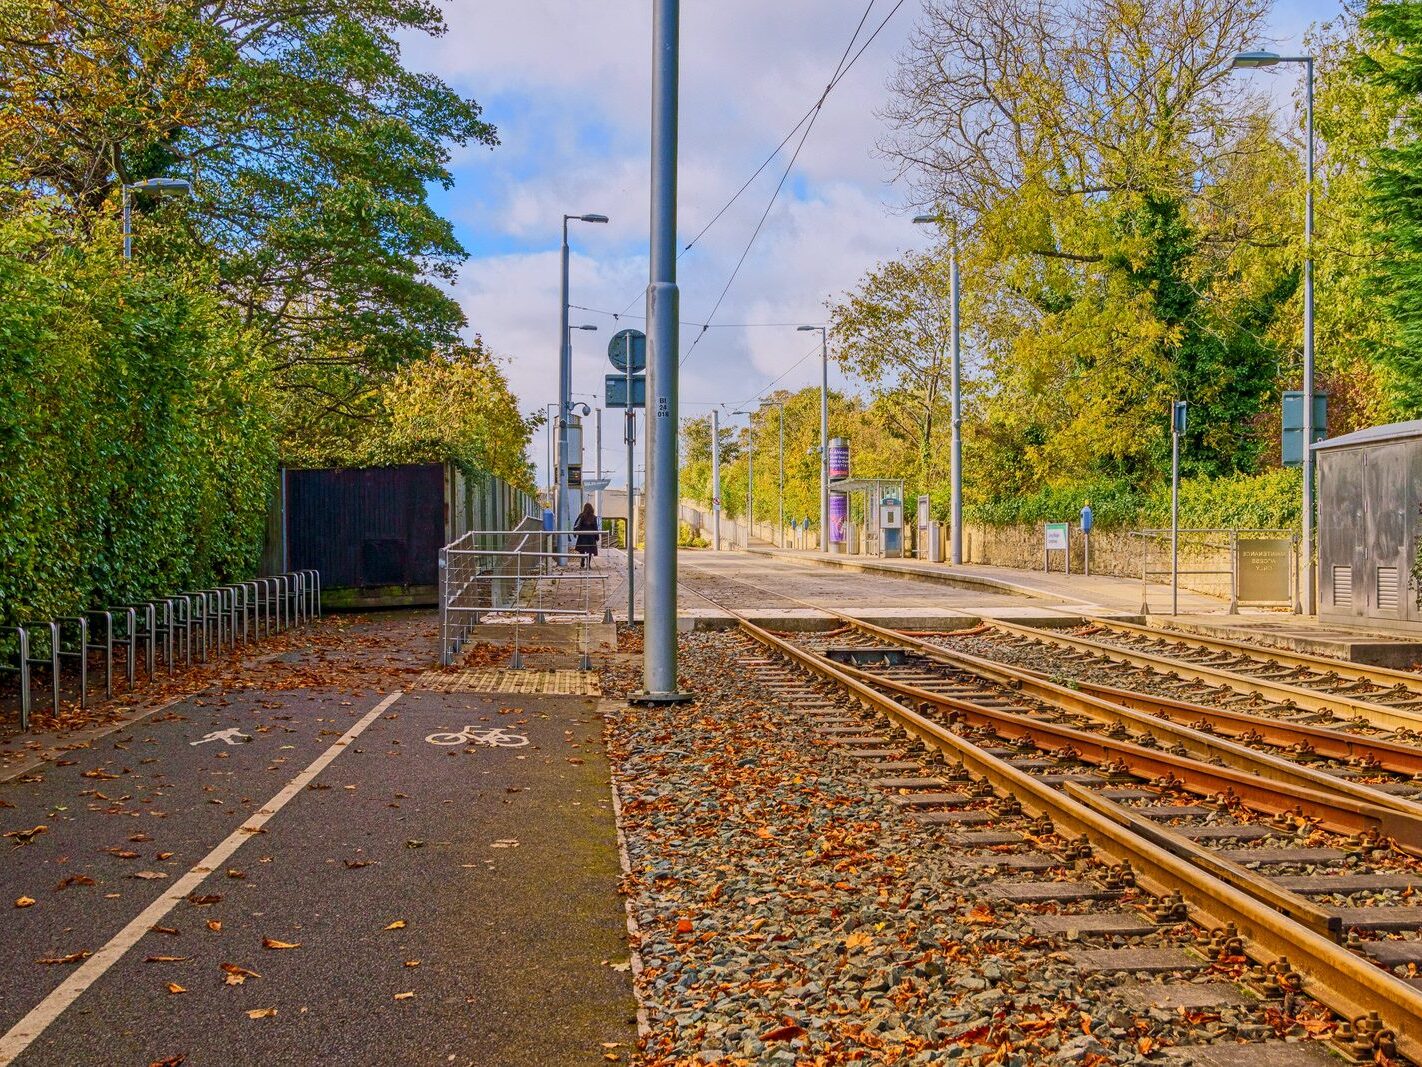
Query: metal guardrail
[[1225, 542], [529, 577], [192, 624]]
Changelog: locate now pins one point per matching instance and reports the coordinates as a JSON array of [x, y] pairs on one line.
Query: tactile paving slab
[[505, 680]]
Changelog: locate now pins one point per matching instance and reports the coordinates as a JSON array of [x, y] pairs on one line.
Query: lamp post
[[1249, 61], [750, 473], [955, 364], [564, 520], [780, 484], [716, 477], [824, 433], [160, 186]]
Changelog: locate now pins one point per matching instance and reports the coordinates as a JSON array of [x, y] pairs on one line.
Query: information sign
[[615, 389], [1056, 533], [1263, 576]]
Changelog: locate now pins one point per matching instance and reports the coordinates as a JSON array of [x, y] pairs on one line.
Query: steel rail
[[1281, 793], [1298, 696], [1323, 664], [1344, 982], [1326, 743], [1264, 765]]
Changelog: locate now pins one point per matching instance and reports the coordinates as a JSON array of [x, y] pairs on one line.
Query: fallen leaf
[[784, 1033], [261, 1013], [271, 942], [858, 939], [174, 988], [683, 926], [237, 975], [764, 833], [149, 876], [215, 925], [166, 959], [24, 902], [980, 914], [122, 853], [203, 901], [353, 865], [576, 759], [398, 924], [404, 996], [139, 838], [164, 930], [412, 963], [233, 873], [163, 856], [171, 1061], [73, 879], [73, 957], [24, 837]]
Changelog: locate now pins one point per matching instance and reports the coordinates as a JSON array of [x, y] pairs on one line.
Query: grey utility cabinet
[[1369, 491]]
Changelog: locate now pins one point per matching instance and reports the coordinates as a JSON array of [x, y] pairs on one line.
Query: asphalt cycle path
[[314, 876]]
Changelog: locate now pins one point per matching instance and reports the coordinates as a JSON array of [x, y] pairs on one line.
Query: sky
[[567, 83]]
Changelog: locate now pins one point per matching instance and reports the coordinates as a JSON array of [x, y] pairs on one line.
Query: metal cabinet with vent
[[1369, 492]]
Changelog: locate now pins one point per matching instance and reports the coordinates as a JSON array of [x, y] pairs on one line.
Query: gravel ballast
[[790, 913]]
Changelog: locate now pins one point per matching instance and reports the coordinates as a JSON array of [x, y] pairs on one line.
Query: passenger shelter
[[1369, 527]]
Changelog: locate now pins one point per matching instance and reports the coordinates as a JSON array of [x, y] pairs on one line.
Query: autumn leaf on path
[[24, 902], [149, 876], [73, 879], [271, 942], [237, 975], [261, 1013], [24, 837], [858, 939], [73, 957], [398, 924], [175, 989], [404, 996], [980, 914], [166, 959]]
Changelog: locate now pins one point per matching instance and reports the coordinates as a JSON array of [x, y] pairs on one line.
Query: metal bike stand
[[81, 653], [23, 669], [107, 646]]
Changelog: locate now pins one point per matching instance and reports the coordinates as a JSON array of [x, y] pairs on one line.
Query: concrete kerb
[[976, 583], [634, 932]]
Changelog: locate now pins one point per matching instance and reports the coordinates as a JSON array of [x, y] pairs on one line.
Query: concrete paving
[[452, 903]]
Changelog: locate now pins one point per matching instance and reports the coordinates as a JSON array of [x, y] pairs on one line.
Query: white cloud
[[567, 83]]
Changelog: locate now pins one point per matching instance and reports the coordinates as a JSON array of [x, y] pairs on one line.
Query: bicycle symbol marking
[[472, 735]]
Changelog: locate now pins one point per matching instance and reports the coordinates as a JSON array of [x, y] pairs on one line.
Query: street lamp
[[1250, 61], [955, 454], [750, 473], [158, 186], [565, 378], [780, 485], [824, 433]]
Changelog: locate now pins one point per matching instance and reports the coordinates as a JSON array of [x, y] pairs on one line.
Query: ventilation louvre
[[1388, 589], [1342, 586]]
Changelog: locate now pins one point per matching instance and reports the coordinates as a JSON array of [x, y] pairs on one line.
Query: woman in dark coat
[[587, 541]]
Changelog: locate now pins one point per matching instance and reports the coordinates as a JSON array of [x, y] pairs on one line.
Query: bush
[[139, 450]]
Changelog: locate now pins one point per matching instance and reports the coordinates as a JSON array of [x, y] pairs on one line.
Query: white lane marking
[[24, 1032], [232, 735]]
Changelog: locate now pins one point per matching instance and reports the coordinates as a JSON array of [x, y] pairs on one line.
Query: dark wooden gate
[[377, 528]]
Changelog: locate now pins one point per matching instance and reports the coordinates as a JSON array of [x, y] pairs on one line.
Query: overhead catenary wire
[[841, 70]]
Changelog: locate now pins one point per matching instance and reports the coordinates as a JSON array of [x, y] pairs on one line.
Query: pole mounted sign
[[627, 351]]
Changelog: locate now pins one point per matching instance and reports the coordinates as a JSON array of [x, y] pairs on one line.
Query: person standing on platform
[[587, 527]]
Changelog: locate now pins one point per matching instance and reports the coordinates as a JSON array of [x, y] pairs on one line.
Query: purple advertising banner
[[839, 515], [838, 459]]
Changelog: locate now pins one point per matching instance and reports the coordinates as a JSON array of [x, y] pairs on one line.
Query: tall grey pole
[[955, 460], [824, 441], [563, 520], [599, 461], [780, 485], [1174, 510], [716, 479], [1308, 569], [630, 435], [659, 681], [750, 482]]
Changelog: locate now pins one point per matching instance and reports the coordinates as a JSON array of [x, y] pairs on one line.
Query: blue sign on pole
[[615, 388], [1086, 519]]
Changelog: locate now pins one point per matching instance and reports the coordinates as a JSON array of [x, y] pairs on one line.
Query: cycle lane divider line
[[37, 1020]]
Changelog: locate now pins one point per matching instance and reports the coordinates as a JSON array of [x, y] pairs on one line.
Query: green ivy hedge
[[138, 449], [1270, 500]]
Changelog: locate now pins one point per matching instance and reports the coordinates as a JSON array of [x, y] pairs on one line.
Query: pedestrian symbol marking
[[231, 736], [495, 738]]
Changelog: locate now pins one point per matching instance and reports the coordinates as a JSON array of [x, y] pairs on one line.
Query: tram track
[[1098, 775]]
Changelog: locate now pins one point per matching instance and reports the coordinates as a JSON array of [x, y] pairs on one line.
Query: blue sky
[[566, 83]]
